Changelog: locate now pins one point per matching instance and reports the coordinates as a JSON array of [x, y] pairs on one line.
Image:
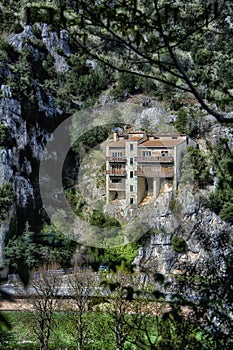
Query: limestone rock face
[[19, 159], [53, 44], [208, 241], [27, 134]]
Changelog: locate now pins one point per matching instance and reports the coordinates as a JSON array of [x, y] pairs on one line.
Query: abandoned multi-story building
[[138, 163]]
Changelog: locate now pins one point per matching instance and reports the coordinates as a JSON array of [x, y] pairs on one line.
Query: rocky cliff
[[29, 128], [207, 240]]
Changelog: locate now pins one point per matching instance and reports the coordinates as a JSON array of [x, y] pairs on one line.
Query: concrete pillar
[[156, 187]]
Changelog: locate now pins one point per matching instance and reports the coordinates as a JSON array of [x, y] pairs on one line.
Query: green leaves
[[3, 134], [221, 200], [6, 199], [178, 244], [196, 168], [21, 252], [30, 250]]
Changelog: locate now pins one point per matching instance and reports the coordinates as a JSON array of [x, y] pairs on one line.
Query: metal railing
[[116, 159], [155, 159], [116, 172], [116, 186], [154, 173]]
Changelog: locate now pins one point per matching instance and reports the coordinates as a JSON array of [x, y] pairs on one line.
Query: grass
[[100, 335]]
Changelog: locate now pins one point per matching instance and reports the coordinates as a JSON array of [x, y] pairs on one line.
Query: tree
[[5, 326], [119, 293], [81, 284], [21, 252], [54, 246], [163, 40], [221, 200], [44, 299]]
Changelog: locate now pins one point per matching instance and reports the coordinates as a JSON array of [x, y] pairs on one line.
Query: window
[[146, 153], [131, 201], [131, 174], [116, 181], [117, 154], [131, 161], [131, 188], [131, 147], [164, 153]]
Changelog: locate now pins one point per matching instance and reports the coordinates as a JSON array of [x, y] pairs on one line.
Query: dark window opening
[[164, 153], [131, 174], [131, 147], [131, 188], [116, 181], [146, 153], [117, 154], [131, 201], [131, 161]]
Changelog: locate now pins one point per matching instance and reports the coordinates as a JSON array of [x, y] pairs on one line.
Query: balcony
[[116, 172], [155, 159], [120, 186], [154, 173], [116, 159]]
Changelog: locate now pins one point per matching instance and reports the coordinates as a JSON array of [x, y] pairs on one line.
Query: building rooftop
[[160, 143], [119, 143], [135, 138], [146, 140]]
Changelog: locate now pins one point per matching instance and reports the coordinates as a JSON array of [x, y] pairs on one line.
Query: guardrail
[[116, 186], [151, 173], [115, 172], [155, 159], [116, 159]]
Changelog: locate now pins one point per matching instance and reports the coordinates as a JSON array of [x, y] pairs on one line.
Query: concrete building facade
[[138, 163]]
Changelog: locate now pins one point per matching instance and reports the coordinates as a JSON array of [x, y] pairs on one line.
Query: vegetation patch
[[3, 134], [6, 199], [178, 244], [221, 200]]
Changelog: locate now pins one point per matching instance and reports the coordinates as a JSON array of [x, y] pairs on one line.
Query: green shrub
[[221, 200], [178, 244], [181, 122], [99, 219], [120, 256], [196, 168], [32, 249], [6, 199], [3, 134]]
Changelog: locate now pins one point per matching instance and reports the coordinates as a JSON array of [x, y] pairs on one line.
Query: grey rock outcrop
[[27, 135], [207, 237], [53, 44]]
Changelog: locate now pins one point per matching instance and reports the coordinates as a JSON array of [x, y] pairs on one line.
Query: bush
[[6, 199], [3, 134], [178, 244], [196, 168], [221, 200], [100, 219], [120, 256]]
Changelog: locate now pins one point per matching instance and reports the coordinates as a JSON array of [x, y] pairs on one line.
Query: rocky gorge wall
[[208, 239], [27, 134], [205, 235], [202, 269]]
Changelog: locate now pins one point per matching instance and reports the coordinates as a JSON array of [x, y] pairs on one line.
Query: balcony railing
[[116, 186], [116, 159], [116, 172], [154, 173], [155, 159]]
